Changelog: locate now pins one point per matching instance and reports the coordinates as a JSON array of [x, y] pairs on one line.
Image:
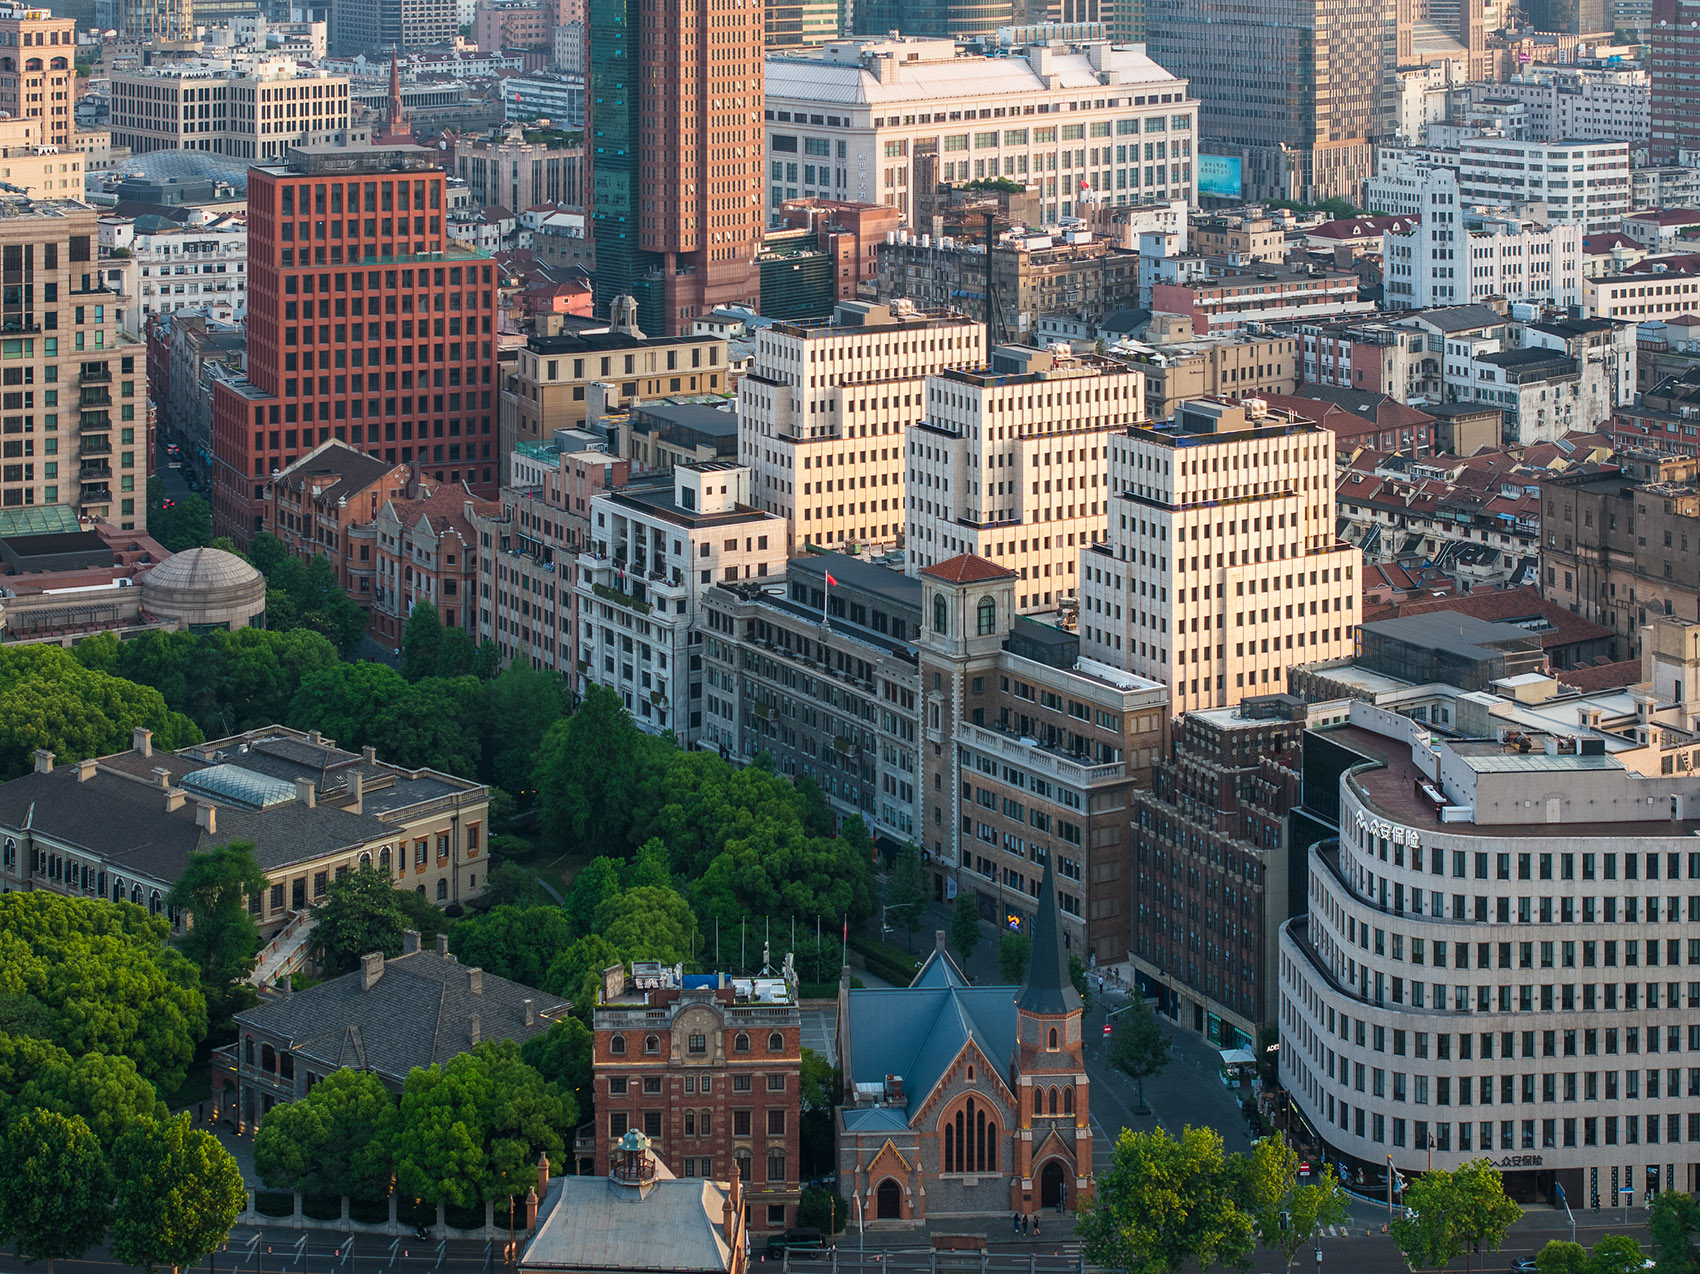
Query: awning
[[1237, 1057]]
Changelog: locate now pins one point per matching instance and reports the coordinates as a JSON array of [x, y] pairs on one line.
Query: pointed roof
[[966, 568], [1048, 988]]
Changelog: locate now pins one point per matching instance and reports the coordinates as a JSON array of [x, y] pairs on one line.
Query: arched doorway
[[888, 1200], [1051, 1184]]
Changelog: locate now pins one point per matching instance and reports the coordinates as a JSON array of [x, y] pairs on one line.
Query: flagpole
[[825, 599]]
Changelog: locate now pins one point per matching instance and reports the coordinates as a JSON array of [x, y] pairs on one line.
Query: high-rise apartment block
[[676, 158], [1009, 464], [245, 108], [1674, 66], [1293, 93], [824, 413], [156, 22], [38, 55], [74, 428], [1221, 569], [366, 323]]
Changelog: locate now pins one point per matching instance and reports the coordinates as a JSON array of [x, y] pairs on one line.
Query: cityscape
[[968, 637]]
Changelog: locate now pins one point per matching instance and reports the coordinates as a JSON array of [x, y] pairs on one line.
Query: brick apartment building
[[708, 1068], [427, 551], [1210, 866], [327, 504], [366, 324]]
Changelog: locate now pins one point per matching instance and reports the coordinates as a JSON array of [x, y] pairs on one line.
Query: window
[[697, 1045], [617, 1123], [740, 1043], [652, 1085], [740, 1123], [776, 1083], [652, 1123], [740, 1083], [971, 1138], [985, 617], [776, 1043], [776, 1123], [652, 1043], [616, 1086], [617, 1045], [941, 616], [776, 1167]]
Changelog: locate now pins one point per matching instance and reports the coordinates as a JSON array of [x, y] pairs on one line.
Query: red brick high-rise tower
[[366, 324]]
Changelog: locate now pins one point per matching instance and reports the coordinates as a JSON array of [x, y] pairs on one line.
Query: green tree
[[1672, 1222], [597, 881], [472, 1130], [1560, 1256], [510, 885], [561, 1055], [649, 866], [1165, 1202], [55, 1191], [524, 703], [819, 1087], [98, 977], [1077, 975], [186, 525], [589, 768], [105, 1092], [577, 972], [421, 642], [517, 943], [648, 923], [179, 1194], [908, 891], [335, 1141], [818, 818], [50, 701], [362, 913], [1014, 950], [1139, 1045], [823, 1209], [1453, 1214], [1616, 1254], [222, 938], [1286, 1215], [965, 926]]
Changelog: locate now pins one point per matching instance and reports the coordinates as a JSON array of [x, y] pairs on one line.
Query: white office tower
[[1010, 464], [1221, 569], [823, 410]]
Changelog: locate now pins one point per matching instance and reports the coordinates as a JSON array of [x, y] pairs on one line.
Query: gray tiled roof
[[592, 1223], [916, 1032], [419, 1012]]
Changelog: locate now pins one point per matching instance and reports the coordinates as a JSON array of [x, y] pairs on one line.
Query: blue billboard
[[1219, 177]]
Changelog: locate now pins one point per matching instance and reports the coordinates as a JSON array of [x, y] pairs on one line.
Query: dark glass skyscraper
[[1295, 90], [957, 19], [676, 156]]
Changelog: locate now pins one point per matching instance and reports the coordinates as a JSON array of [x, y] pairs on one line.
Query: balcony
[[95, 493], [1028, 751], [95, 374], [95, 471], [94, 397], [95, 421], [94, 446]]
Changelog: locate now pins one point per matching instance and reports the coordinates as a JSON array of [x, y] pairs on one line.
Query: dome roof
[[201, 570]]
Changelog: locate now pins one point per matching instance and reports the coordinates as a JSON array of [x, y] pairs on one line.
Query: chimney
[[371, 969], [542, 1175], [442, 944], [356, 791], [531, 1209], [161, 776], [475, 981], [141, 740], [306, 793], [410, 942], [476, 1033], [206, 816], [938, 939], [43, 761], [86, 769], [315, 738], [730, 1208], [531, 1013], [174, 797], [369, 754]]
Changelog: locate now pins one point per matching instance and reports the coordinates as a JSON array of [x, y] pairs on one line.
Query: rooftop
[[967, 569]]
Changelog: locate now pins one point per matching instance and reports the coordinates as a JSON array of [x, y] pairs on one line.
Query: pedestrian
[[1015, 1222], [1023, 1223], [1035, 1225]]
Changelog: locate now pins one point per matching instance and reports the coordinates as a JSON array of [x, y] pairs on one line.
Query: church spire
[[396, 127], [1048, 988]]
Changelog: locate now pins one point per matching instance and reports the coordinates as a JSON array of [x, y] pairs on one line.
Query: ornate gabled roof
[[1048, 989]]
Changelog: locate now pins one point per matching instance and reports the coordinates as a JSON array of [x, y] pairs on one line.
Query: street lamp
[[1431, 1152]]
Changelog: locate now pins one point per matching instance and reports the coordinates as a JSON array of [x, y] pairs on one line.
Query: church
[[965, 1100]]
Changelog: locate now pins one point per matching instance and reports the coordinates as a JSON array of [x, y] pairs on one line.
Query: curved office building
[[1502, 955]]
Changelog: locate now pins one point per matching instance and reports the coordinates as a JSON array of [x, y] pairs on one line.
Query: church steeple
[[1048, 989]]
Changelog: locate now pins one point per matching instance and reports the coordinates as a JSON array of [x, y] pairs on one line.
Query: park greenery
[[1613, 1254], [1673, 1220], [1139, 1046], [1454, 1214], [1169, 1201], [98, 1015]]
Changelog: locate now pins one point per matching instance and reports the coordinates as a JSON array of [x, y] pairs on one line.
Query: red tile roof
[[1509, 604], [967, 569], [1607, 676]]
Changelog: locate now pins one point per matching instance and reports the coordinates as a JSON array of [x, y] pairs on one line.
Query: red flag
[[830, 581], [847, 930]]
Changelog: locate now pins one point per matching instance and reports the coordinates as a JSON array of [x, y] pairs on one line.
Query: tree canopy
[[1139, 1044], [55, 1188], [179, 1194], [1672, 1222], [1166, 1201], [222, 938], [97, 977], [1453, 1214], [337, 1140], [364, 912]]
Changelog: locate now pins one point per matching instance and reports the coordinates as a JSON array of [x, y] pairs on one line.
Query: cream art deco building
[[1010, 464], [824, 411], [1500, 954], [1221, 569]]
